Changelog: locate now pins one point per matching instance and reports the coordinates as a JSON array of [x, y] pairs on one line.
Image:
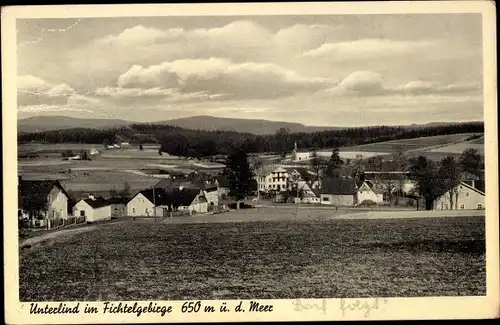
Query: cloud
[[368, 48], [369, 83], [127, 94], [418, 87], [304, 37], [217, 76], [36, 92], [51, 108]]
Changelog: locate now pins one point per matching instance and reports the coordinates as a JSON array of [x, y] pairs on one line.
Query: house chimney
[[91, 196]]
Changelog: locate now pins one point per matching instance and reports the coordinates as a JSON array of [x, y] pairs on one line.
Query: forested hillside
[[196, 143]]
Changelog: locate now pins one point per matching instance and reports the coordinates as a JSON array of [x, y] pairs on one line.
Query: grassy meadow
[[262, 259]]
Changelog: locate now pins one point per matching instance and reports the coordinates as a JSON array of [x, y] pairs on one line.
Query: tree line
[[198, 143]]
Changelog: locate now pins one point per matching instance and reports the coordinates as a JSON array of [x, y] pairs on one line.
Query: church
[[299, 155]]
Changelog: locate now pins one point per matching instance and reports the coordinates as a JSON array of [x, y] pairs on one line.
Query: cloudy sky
[[343, 70]]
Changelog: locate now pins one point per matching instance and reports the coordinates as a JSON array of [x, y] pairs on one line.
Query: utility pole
[[154, 203]]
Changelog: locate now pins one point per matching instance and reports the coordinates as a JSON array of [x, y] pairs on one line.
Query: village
[[296, 180]]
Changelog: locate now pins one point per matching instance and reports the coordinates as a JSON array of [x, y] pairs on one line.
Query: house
[[304, 174], [33, 193], [300, 154], [465, 197], [222, 186], [190, 199], [400, 177], [93, 209], [201, 181], [111, 147], [124, 145], [271, 178], [116, 146], [307, 194], [366, 190], [339, 191], [94, 152], [143, 203]]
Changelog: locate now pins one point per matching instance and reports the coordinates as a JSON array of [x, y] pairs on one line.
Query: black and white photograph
[[251, 157]]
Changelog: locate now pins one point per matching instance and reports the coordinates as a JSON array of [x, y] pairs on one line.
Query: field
[[134, 260]]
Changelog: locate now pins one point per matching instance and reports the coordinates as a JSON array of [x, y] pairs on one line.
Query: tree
[[84, 155], [125, 192], [425, 173], [316, 164], [450, 173], [334, 164], [113, 192], [140, 147], [256, 162], [239, 175], [35, 204], [400, 163], [470, 161]]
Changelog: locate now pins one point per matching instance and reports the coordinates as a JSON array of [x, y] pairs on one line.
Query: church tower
[[294, 152]]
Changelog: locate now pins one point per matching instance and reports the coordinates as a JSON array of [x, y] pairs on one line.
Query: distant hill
[[210, 123], [205, 123], [49, 123]]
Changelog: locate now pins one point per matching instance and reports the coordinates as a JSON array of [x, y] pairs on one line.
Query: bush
[[367, 203]]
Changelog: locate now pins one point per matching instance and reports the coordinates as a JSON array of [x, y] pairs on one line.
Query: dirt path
[[62, 233]]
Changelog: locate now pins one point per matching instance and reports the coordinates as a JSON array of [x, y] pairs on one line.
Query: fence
[[64, 222]]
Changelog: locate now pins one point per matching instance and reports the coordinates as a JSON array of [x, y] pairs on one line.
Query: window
[[133, 210], [462, 206], [82, 213], [325, 198], [479, 206], [467, 194], [270, 186]]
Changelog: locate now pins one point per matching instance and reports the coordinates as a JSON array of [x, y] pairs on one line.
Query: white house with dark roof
[[468, 198], [272, 178], [368, 191], [93, 209]]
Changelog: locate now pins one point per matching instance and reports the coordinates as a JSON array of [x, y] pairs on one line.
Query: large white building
[[300, 154], [272, 179]]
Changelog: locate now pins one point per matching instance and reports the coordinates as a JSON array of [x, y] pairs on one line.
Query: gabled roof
[[472, 188], [182, 197], [338, 186], [39, 187], [158, 198], [97, 202], [371, 186]]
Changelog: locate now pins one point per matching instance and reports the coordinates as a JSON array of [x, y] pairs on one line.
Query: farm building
[[190, 199], [339, 191], [118, 207], [465, 197], [33, 193], [367, 191], [93, 209]]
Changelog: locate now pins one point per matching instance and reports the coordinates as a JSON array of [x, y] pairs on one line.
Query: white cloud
[[368, 48], [30, 83], [369, 83], [221, 76], [51, 108]]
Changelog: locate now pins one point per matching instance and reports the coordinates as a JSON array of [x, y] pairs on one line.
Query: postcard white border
[[393, 308]]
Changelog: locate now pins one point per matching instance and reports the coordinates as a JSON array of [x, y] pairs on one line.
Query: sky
[[323, 70]]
